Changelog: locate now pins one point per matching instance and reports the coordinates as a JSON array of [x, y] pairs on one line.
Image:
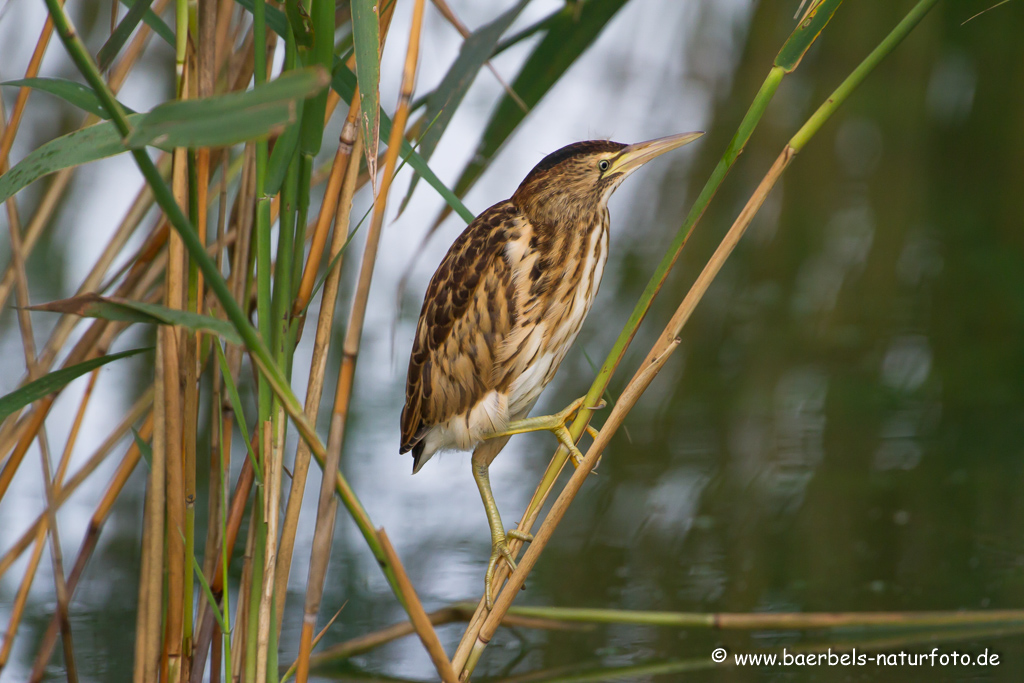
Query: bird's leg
[[554, 424], [499, 548]]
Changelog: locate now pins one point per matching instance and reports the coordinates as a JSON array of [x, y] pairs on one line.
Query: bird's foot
[[556, 424], [501, 551], [565, 437]]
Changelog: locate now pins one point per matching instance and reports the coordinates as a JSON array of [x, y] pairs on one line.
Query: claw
[[499, 551], [519, 535], [565, 438]]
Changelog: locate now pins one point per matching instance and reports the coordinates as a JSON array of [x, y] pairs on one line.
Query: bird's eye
[[603, 164]]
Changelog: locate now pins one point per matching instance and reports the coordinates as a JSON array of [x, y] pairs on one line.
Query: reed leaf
[[124, 29], [74, 149], [806, 32], [144, 448], [366, 36], [236, 405], [82, 96], [125, 310], [153, 20], [229, 119], [343, 81], [51, 382]]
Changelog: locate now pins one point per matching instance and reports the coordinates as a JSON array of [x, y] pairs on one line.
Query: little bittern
[[504, 307]]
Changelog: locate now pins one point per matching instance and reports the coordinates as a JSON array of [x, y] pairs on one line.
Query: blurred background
[[840, 430]]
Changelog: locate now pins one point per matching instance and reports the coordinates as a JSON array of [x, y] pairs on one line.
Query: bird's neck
[[562, 215]]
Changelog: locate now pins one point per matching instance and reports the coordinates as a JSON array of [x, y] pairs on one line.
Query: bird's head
[[578, 179]]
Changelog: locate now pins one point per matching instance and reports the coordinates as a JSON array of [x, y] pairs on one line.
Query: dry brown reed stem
[[134, 414], [28, 435], [170, 341], [208, 626], [147, 625], [243, 220], [779, 620], [89, 541], [29, 347], [500, 574], [319, 556], [28, 342], [318, 365], [316, 641], [57, 563], [656, 358], [418, 616], [18, 267], [272, 468], [41, 534], [205, 85], [222, 29], [219, 467], [21, 597], [327, 210], [667, 342]]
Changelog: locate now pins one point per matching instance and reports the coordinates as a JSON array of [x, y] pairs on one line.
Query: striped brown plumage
[[505, 306]]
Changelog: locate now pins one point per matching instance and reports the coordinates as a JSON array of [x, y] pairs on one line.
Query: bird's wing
[[469, 308]]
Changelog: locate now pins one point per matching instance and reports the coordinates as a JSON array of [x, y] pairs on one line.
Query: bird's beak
[[636, 155]]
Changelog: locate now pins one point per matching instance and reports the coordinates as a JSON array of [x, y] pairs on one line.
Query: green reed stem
[[857, 76], [252, 627], [263, 202], [224, 496]]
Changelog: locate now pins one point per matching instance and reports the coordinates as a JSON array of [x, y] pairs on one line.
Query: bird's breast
[[551, 318]]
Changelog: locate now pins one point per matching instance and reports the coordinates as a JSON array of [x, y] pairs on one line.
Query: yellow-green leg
[[554, 424], [499, 548], [482, 457]]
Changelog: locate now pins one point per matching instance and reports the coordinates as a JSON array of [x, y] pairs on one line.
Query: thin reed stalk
[[327, 507], [418, 616], [141, 406], [318, 362], [147, 626], [91, 538], [445, 615]]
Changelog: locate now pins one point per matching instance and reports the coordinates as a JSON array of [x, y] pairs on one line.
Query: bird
[[504, 307]]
